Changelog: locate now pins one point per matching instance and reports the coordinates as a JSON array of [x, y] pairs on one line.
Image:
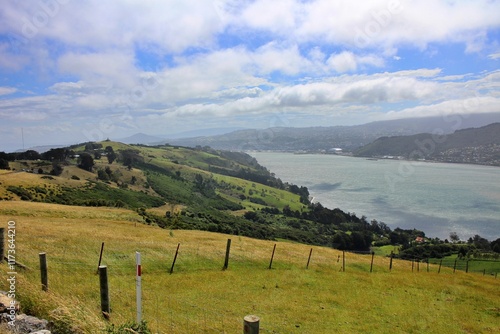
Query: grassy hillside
[[200, 297], [180, 188]]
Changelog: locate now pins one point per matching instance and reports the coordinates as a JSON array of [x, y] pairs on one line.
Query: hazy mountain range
[[327, 138], [312, 139]]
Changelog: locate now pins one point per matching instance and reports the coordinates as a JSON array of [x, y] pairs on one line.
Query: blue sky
[[75, 71]]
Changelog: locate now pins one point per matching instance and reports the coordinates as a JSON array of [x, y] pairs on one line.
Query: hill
[[324, 139], [200, 297], [197, 189], [182, 188], [473, 145]]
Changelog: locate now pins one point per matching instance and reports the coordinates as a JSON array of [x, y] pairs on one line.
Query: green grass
[[200, 297], [488, 267]]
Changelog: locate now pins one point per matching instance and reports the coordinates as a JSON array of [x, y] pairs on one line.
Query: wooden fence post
[[272, 257], [309, 259], [390, 263], [175, 258], [43, 271], [467, 266], [343, 261], [228, 249], [251, 324], [2, 244], [484, 272], [427, 264], [103, 282], [455, 265], [440, 263], [371, 265], [100, 257]]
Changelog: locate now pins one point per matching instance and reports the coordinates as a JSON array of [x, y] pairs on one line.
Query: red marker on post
[[138, 286]]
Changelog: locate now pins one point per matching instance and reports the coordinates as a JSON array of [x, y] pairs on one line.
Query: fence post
[[484, 272], [343, 261], [371, 265], [100, 257], [228, 249], [2, 244], [427, 264], [455, 265], [412, 264], [467, 266], [103, 282], [251, 324], [309, 259], [418, 266], [440, 263], [272, 257], [390, 263], [138, 287], [175, 258], [43, 271]]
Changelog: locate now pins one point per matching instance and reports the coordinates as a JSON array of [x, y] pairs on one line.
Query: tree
[[454, 237], [495, 245], [29, 155], [4, 164], [56, 154], [131, 157], [102, 175], [57, 169], [110, 154], [86, 162], [481, 243]]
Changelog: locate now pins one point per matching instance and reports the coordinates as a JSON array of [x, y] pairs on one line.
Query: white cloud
[[343, 62], [7, 90], [133, 61], [464, 106], [115, 68]]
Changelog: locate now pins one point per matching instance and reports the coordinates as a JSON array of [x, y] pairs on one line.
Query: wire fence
[[169, 313]]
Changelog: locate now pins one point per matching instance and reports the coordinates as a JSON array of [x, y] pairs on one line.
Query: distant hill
[[327, 138], [140, 138], [473, 145]]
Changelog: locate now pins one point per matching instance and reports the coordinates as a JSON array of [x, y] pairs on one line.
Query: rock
[[28, 324], [7, 304], [23, 324]]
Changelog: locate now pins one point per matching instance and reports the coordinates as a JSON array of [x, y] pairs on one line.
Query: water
[[436, 198]]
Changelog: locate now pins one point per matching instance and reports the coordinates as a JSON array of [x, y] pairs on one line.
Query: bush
[[129, 327]]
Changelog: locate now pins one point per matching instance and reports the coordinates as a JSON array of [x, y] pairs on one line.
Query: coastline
[[366, 190]]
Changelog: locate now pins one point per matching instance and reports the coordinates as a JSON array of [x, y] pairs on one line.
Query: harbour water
[[436, 198]]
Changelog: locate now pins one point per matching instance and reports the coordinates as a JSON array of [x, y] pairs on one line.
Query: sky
[[76, 71]]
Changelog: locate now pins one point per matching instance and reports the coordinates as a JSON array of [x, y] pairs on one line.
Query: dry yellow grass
[[200, 297]]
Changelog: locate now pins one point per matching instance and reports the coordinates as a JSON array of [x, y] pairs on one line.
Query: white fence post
[[138, 286]]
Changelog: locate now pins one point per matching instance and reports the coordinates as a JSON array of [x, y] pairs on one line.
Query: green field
[[201, 298]]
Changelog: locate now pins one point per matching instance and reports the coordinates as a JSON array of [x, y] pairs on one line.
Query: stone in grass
[[29, 324], [7, 304]]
